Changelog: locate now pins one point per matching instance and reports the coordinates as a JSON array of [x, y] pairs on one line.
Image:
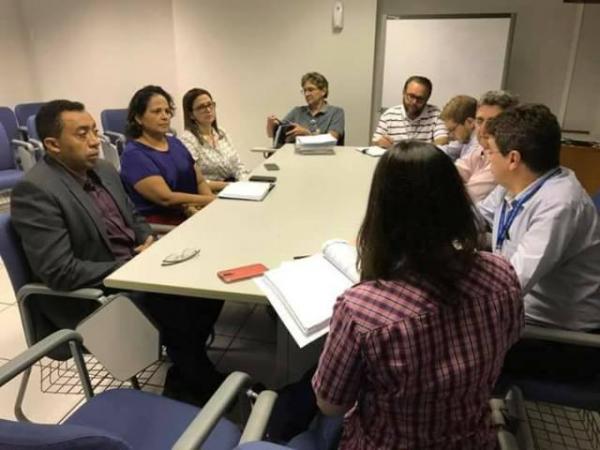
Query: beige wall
[[100, 51], [541, 43], [17, 79], [583, 107], [251, 54]]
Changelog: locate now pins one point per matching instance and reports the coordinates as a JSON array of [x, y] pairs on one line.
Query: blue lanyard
[[506, 221]]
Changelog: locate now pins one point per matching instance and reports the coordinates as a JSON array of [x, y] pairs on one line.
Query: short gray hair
[[502, 99]]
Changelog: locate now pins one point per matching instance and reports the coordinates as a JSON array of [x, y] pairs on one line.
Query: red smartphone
[[242, 273]]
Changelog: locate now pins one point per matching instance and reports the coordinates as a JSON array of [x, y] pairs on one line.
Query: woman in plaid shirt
[[415, 348]]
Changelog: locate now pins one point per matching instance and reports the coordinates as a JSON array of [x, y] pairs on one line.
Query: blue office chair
[[113, 125], [29, 293], [129, 419], [9, 121], [24, 111], [325, 432], [32, 129], [9, 172], [596, 199], [581, 394]]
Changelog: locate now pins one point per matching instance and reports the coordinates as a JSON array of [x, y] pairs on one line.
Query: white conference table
[[316, 198]]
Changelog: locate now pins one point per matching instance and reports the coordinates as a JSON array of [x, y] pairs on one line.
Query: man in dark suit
[[77, 225]]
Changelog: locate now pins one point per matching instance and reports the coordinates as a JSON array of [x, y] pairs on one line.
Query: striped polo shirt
[[395, 123]]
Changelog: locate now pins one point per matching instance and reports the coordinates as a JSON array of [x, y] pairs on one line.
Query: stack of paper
[[304, 291], [320, 144], [246, 190]]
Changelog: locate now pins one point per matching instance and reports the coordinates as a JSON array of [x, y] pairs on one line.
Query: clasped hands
[[297, 130]]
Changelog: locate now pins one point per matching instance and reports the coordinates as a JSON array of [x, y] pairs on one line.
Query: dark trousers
[[544, 360], [184, 323]]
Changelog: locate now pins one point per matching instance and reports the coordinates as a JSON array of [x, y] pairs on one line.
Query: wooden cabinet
[[585, 162]]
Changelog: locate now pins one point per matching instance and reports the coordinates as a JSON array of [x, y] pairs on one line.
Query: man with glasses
[[413, 119], [459, 118], [473, 166], [547, 226]]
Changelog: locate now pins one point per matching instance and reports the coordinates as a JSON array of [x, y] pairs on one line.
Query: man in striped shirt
[[414, 119]]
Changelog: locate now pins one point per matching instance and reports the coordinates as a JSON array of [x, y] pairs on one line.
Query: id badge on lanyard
[[506, 220]]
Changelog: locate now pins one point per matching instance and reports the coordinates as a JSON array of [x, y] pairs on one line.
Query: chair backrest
[[596, 199], [7, 159], [12, 254], [32, 128], [25, 110], [114, 120], [9, 121], [110, 153], [23, 435]]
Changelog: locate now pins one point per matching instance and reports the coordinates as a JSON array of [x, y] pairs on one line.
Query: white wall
[[583, 107], [541, 41], [100, 51], [17, 79], [251, 55]]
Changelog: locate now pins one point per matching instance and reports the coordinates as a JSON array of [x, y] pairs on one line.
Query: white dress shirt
[[554, 246]]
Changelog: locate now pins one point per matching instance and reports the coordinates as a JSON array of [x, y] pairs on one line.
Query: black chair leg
[[135, 383]]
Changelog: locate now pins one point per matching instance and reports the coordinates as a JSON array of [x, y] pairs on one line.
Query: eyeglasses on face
[[415, 98], [309, 90], [205, 107]]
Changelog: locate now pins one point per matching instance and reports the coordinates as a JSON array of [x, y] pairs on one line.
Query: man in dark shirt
[[77, 225]]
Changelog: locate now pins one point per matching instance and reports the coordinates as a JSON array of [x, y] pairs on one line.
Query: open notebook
[[246, 190], [304, 291]]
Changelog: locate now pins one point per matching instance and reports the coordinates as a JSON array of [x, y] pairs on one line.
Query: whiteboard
[[459, 54]]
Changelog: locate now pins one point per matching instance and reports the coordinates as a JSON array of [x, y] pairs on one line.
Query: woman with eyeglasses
[[415, 348], [156, 168], [209, 145], [316, 117]]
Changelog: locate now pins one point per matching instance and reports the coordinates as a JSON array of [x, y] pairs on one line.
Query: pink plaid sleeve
[[340, 371]]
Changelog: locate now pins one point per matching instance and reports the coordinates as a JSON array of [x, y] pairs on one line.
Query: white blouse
[[216, 163]]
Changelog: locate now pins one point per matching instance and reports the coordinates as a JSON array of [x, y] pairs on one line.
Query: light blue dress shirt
[[554, 246]]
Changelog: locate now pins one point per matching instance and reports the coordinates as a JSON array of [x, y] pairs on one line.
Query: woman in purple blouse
[[156, 168]]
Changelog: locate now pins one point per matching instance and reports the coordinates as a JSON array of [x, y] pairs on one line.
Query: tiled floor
[[245, 340]]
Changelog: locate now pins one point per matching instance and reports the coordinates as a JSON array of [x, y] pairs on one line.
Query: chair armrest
[[199, 429], [27, 146], [38, 288], [259, 418], [116, 136], [37, 351], [562, 336]]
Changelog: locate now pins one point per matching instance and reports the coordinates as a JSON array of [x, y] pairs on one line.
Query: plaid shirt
[[419, 372]]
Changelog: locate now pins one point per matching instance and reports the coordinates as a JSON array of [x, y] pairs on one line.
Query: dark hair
[[423, 81], [139, 104], [419, 222], [317, 79], [459, 109], [48, 120], [189, 123], [533, 131]]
